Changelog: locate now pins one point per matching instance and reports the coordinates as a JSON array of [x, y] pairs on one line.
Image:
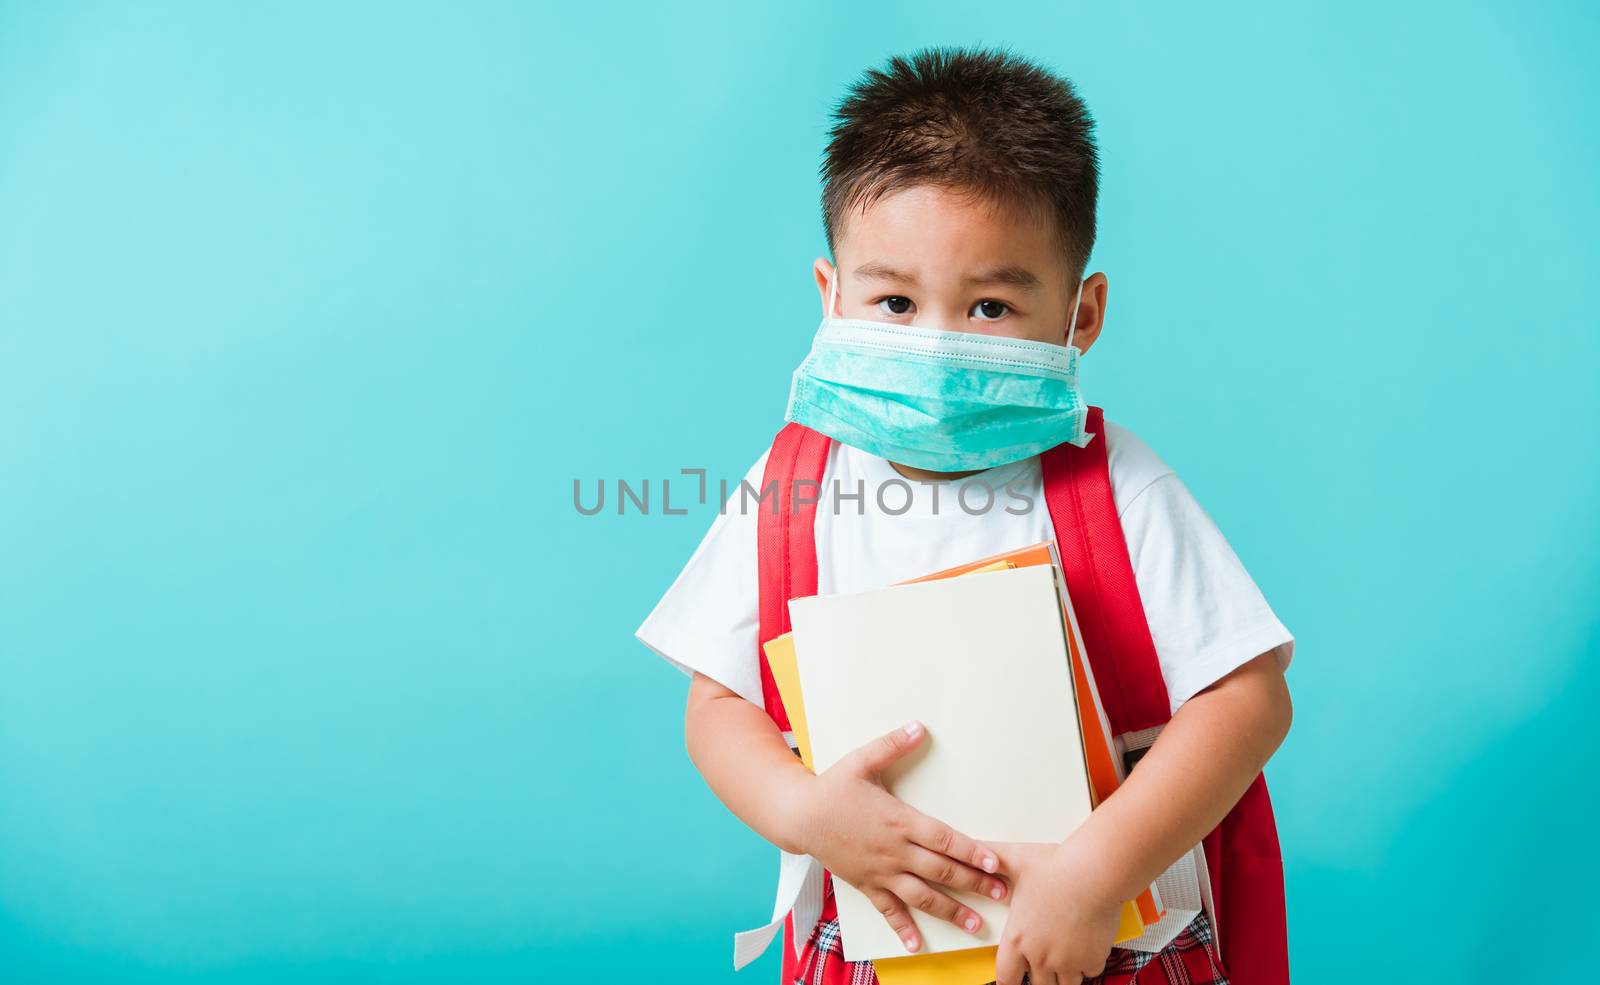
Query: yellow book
[[971, 966], [786, 674]]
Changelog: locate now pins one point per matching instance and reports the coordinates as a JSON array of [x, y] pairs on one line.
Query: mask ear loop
[[1074, 326], [833, 285]]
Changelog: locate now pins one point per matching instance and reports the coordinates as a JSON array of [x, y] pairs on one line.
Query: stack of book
[[1018, 745]]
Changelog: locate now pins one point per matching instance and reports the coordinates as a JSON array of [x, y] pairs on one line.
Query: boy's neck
[[924, 475]]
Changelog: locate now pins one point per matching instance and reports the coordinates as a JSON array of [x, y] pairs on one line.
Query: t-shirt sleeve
[[1206, 614], [708, 620]]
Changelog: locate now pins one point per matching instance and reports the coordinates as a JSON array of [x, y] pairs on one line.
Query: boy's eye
[[897, 305], [987, 309]]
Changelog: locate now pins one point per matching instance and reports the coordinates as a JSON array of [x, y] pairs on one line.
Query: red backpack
[[1242, 852]]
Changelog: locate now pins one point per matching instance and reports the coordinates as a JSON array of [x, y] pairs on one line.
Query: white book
[[982, 661]]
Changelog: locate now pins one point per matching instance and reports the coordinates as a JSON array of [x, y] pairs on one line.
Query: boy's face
[[931, 257]]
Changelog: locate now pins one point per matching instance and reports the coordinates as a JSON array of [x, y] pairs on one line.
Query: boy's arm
[[897, 856], [746, 762], [1200, 765], [1067, 896]]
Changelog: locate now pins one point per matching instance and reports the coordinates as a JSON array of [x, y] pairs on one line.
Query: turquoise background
[[310, 315]]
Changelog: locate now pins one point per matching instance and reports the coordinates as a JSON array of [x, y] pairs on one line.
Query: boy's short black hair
[[983, 122]]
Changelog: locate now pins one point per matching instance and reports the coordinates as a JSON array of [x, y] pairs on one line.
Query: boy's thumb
[[880, 752]]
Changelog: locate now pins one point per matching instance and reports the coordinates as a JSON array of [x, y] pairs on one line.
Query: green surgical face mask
[[935, 399]]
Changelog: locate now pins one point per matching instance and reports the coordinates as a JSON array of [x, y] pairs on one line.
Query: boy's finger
[[946, 871], [899, 917], [937, 836], [1008, 965], [918, 894], [875, 756]]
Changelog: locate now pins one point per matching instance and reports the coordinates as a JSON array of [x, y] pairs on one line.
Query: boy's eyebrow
[[1008, 273]]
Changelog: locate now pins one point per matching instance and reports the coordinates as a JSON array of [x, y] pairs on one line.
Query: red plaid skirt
[[1186, 960]]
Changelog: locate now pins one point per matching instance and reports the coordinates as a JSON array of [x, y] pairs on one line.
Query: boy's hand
[[1063, 914], [888, 850]]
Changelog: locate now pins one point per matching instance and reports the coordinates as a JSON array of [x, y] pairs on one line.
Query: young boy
[[959, 202]]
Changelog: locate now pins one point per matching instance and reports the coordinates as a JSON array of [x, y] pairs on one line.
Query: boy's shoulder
[[1133, 464]]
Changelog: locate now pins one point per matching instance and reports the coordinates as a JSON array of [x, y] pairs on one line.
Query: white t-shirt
[[875, 528]]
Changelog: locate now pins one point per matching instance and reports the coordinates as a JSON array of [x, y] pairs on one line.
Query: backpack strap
[[1100, 582], [786, 568], [786, 549]]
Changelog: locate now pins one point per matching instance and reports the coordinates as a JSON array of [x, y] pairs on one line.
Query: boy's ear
[[1091, 313], [824, 271]]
